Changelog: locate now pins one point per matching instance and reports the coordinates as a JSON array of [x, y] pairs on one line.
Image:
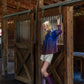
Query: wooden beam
[[48, 2], [11, 8], [22, 4], [18, 13], [33, 2], [57, 1], [22, 79], [64, 3], [38, 48], [59, 81], [68, 44], [28, 4]]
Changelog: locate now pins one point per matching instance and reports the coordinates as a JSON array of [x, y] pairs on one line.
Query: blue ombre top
[[50, 42]]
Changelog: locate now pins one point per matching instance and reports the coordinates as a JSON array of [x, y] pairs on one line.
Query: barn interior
[[14, 6], [78, 42]]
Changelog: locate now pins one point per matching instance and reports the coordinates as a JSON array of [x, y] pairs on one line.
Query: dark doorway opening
[[78, 44]]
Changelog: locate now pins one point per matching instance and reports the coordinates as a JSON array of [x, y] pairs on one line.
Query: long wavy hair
[[48, 25]]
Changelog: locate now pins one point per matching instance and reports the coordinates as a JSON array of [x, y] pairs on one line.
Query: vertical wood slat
[[16, 62], [68, 44], [39, 47], [4, 47], [32, 44], [4, 38]]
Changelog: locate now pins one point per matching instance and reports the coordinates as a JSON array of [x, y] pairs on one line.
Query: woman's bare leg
[[44, 68], [42, 63], [45, 74], [43, 78]]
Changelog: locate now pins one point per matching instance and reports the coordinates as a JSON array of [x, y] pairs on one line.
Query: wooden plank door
[[24, 57]]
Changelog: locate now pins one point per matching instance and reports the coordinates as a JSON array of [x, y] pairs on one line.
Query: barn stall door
[[24, 58], [56, 69]]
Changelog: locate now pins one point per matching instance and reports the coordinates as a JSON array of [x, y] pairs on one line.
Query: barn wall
[[79, 33]]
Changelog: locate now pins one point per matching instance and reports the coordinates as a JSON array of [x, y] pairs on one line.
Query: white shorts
[[47, 57]]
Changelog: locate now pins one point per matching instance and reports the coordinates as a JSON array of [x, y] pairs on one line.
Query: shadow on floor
[[10, 81]]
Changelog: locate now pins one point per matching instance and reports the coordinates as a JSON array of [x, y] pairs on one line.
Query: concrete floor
[[10, 79]]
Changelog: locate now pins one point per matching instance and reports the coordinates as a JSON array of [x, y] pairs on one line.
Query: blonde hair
[[47, 24]]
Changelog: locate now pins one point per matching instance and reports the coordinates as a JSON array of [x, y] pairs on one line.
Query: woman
[[49, 48]]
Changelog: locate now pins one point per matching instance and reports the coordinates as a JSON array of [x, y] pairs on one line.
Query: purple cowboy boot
[[43, 80], [49, 80]]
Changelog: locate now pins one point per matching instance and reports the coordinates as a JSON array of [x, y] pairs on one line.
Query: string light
[[79, 11]]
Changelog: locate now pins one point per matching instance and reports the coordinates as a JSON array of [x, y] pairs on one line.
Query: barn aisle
[[9, 80]]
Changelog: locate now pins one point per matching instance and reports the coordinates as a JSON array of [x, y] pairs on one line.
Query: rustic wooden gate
[[24, 57]]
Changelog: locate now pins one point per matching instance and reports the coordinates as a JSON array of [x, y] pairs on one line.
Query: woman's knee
[[43, 71]]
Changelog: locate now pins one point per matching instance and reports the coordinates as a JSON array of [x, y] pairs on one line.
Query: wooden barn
[[22, 36]]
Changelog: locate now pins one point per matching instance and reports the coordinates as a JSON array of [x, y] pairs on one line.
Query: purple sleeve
[[59, 31]]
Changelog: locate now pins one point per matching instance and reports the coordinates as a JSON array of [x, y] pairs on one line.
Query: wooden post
[[38, 81], [68, 44], [37, 44], [32, 44], [4, 39], [39, 47]]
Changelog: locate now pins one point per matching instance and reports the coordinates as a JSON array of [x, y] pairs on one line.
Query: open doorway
[[10, 46], [78, 44]]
